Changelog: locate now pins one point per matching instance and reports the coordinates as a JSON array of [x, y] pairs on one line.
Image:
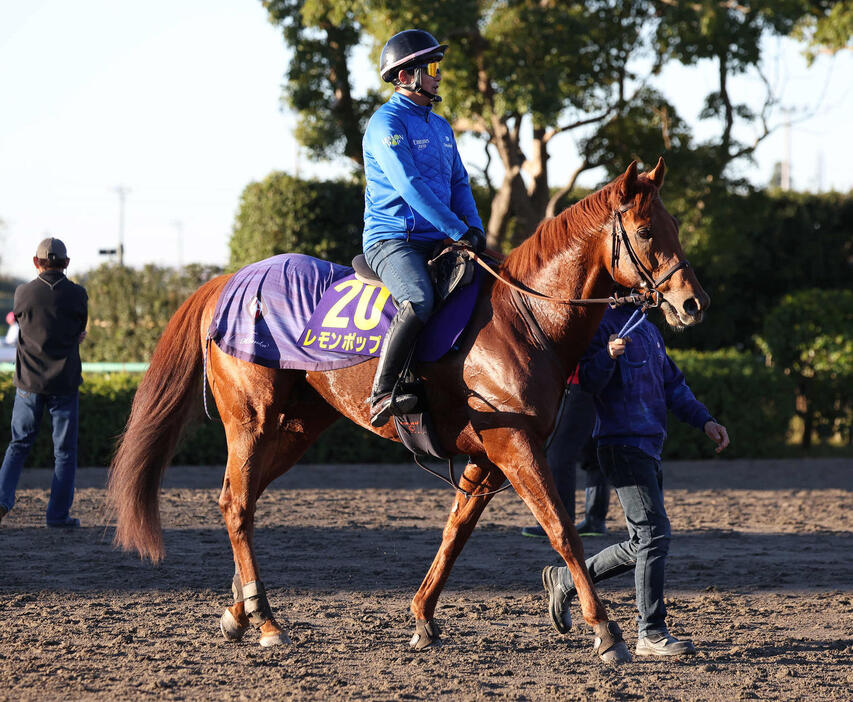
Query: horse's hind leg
[[265, 439], [477, 479], [250, 456], [245, 480]]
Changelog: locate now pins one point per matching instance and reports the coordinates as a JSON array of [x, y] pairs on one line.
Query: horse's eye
[[644, 232]]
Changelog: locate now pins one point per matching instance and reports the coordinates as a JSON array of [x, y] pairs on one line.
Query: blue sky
[[179, 101]]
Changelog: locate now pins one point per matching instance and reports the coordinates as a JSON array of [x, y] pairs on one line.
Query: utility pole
[[122, 191], [179, 231], [786, 161]]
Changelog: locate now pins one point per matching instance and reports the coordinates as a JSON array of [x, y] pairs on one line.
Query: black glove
[[474, 239]]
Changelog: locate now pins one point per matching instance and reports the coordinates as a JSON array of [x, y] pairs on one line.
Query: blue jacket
[[633, 392], [417, 187]]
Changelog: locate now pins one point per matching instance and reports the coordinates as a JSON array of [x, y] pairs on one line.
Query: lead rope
[[631, 325]]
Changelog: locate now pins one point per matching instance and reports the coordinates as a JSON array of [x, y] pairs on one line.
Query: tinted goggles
[[431, 68]]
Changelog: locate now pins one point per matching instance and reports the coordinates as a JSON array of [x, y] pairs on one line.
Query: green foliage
[[129, 308], [283, 214], [809, 336], [532, 68], [750, 249], [753, 402], [322, 35], [827, 29], [105, 401]]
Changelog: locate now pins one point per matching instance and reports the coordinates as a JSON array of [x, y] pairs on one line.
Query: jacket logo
[[393, 140], [421, 143]]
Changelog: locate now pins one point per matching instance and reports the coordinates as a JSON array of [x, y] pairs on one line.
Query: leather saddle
[[449, 267]]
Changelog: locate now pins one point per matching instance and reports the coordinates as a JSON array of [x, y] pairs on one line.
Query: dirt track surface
[[760, 575]]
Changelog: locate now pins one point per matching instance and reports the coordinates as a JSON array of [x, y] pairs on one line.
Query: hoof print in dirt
[[426, 634]]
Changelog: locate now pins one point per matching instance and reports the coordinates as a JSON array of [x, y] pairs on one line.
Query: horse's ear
[[629, 182], [658, 172]]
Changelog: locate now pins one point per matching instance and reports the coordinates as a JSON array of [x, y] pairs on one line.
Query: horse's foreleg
[[463, 518], [234, 621], [526, 467]]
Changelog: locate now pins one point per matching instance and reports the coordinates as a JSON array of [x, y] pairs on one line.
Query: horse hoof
[[617, 655], [426, 634], [230, 627], [275, 639], [609, 644]]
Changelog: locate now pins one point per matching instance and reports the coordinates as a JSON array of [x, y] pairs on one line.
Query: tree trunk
[[343, 108], [804, 410], [515, 198]]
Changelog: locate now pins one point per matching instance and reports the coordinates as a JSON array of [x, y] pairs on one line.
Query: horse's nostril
[[691, 306]]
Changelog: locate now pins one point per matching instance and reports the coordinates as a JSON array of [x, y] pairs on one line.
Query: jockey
[[417, 194]]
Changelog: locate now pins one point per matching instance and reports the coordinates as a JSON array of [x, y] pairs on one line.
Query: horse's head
[[645, 251]]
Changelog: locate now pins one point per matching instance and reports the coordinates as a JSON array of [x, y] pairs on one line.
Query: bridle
[[650, 285], [647, 296]]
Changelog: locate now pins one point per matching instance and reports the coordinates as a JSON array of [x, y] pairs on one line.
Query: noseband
[[620, 236]]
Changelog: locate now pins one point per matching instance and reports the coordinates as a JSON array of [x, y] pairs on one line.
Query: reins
[[649, 296]]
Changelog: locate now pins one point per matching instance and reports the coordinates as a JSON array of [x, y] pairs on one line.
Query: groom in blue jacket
[[633, 383], [417, 194]]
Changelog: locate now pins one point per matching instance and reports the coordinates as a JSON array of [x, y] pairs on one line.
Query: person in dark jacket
[[634, 382], [52, 313], [416, 195], [571, 444]]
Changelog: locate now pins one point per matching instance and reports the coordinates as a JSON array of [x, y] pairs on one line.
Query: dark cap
[[51, 249]]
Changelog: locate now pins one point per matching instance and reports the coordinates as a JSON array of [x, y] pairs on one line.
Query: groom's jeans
[[638, 481], [26, 417]]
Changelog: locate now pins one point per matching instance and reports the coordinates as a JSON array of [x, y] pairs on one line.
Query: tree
[[322, 36], [807, 336], [525, 71], [828, 28], [283, 214]]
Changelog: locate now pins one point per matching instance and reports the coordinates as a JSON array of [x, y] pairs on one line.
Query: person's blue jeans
[[402, 266], [571, 431], [597, 491], [26, 417], [638, 481]]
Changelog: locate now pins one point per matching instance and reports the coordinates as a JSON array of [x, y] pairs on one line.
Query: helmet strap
[[416, 87]]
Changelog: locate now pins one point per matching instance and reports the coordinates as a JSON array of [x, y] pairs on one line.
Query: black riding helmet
[[410, 49]]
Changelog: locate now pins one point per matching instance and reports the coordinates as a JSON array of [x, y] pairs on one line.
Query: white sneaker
[[664, 645]]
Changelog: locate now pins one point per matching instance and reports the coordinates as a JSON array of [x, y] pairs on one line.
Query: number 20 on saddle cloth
[[298, 312]]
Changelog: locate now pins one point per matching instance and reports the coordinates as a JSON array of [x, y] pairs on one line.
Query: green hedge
[[756, 403], [105, 400]]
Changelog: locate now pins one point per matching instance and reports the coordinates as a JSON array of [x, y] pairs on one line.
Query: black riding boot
[[399, 341]]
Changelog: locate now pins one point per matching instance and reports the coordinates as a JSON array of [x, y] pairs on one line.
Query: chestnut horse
[[494, 398]]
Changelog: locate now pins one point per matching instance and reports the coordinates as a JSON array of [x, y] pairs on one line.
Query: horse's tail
[[166, 399]]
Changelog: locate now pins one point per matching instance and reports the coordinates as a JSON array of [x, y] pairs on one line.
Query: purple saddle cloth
[[298, 312]]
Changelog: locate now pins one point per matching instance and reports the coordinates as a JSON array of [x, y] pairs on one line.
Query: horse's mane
[[577, 222]]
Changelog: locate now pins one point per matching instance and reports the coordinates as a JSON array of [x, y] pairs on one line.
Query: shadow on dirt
[[360, 559]]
